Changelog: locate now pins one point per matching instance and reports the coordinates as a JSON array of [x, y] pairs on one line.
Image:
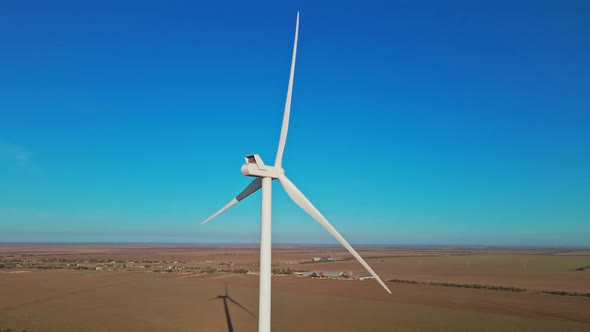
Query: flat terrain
[[162, 288]]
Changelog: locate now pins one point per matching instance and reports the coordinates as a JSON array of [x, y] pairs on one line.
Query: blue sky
[[412, 122]]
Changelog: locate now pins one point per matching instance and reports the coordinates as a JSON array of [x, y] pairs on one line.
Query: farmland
[[167, 287]]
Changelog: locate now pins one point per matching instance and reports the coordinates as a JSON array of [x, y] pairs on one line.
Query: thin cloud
[[22, 158], [12, 155]]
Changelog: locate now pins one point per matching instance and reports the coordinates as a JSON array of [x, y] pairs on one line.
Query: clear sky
[[412, 122]]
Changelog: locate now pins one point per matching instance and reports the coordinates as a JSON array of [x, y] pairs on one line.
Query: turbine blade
[[285, 127], [241, 306], [306, 205], [250, 189], [215, 298]]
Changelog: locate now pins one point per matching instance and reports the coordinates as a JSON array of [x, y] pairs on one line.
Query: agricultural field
[[165, 287]]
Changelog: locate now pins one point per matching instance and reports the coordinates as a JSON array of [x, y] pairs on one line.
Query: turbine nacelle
[[256, 168]]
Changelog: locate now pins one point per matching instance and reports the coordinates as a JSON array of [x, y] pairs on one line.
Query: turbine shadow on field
[[225, 298]]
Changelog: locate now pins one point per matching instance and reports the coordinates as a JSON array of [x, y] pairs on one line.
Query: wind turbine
[[264, 175], [226, 297]]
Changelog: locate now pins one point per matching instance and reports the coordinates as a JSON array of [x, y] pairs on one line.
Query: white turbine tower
[[263, 179]]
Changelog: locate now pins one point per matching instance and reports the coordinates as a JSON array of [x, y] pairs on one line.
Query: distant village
[[21, 263], [108, 264]]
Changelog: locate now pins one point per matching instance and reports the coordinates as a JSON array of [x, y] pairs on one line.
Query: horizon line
[[441, 245]]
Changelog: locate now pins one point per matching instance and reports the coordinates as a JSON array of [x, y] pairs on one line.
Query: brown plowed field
[[141, 300]]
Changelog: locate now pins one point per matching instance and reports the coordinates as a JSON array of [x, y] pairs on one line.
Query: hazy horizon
[[298, 244]]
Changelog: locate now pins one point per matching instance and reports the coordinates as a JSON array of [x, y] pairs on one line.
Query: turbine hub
[[256, 168]]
